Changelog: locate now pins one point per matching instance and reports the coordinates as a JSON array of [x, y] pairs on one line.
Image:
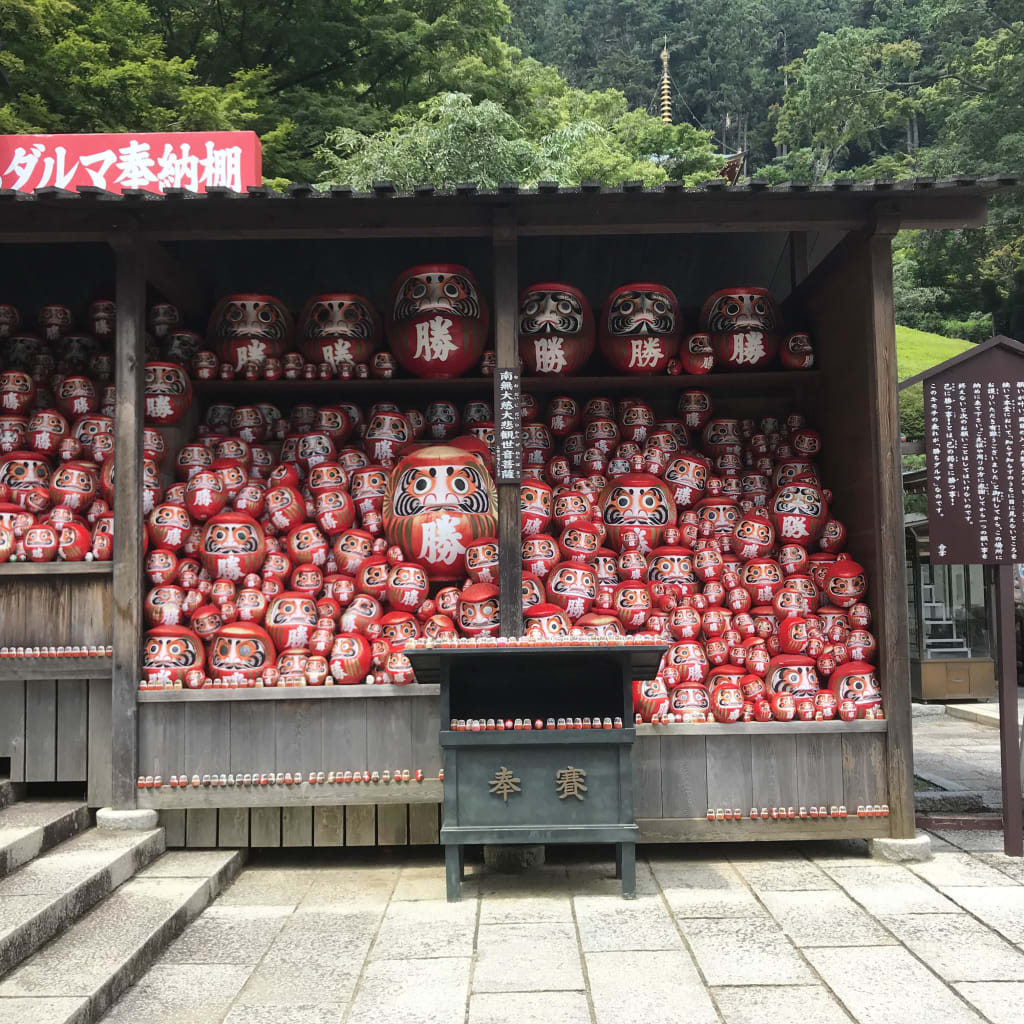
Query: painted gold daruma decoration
[[556, 329], [641, 325], [437, 320], [337, 328], [438, 501]]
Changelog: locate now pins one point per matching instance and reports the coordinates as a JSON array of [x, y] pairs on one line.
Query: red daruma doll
[[556, 329], [439, 500], [742, 323], [437, 320], [338, 328], [640, 328]]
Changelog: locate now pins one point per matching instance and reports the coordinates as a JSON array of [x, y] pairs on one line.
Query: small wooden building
[[824, 251]]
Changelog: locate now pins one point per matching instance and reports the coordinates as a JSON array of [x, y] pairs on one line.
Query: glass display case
[[950, 623]]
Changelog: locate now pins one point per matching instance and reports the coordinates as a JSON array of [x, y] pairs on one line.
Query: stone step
[[9, 792], [31, 827], [41, 899], [78, 976]]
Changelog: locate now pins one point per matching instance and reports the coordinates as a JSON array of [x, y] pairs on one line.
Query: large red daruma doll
[[742, 323], [640, 503], [337, 328], [438, 320], [641, 325], [556, 329], [439, 500], [168, 394], [249, 328]]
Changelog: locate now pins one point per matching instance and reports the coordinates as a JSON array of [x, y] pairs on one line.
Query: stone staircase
[[84, 911]]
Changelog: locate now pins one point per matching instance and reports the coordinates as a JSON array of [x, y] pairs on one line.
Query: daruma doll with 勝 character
[[437, 320], [439, 500]]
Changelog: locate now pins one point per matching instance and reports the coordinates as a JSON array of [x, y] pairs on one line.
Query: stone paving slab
[[889, 985], [610, 922], [529, 1008], [888, 889], [745, 952], [1001, 909], [412, 992], [46, 1010], [652, 988], [422, 929], [790, 1004], [957, 947], [1002, 1003], [820, 918], [181, 994], [527, 957]]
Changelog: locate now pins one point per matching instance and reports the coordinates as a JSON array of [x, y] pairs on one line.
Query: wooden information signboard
[[974, 444]]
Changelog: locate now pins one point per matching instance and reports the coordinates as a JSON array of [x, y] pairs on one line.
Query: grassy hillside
[[917, 351]]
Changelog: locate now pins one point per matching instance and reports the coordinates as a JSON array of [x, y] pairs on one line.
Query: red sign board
[[974, 441], [152, 161]]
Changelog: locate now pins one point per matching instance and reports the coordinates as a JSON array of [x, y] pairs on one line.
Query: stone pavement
[[959, 759], [755, 934]]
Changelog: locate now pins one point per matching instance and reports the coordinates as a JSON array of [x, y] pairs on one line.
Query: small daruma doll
[[556, 329], [856, 681], [338, 328], [439, 500], [742, 323], [437, 320], [477, 611], [640, 328], [241, 652], [545, 622], [168, 393], [799, 513], [640, 503], [845, 584], [168, 653], [482, 560], [572, 586]]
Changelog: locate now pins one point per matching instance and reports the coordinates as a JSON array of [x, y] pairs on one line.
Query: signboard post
[[974, 444], [152, 161]]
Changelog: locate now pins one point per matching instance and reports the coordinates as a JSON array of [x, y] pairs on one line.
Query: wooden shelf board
[[15, 570], [286, 693], [55, 668], [760, 728], [753, 382], [430, 791]]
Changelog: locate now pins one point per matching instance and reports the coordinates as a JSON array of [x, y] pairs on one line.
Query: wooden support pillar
[[889, 597], [129, 521], [797, 258], [1009, 735], [507, 418]]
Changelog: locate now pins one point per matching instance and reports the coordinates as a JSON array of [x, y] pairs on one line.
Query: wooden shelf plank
[[760, 728], [429, 791], [287, 693], [742, 383], [14, 570], [55, 668]]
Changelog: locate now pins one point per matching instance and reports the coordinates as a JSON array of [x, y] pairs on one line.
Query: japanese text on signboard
[[510, 431], [974, 441], [154, 162]]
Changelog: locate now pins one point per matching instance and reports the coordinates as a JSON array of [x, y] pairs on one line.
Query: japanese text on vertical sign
[[150, 161], [509, 456], [974, 429]]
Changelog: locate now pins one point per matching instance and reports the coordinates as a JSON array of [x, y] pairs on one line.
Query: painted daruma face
[[438, 320], [556, 329], [169, 652], [439, 500], [168, 393], [742, 324], [845, 584], [477, 611], [640, 328], [338, 328], [799, 512], [572, 586], [247, 315], [232, 546], [290, 620], [640, 503], [241, 650]]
